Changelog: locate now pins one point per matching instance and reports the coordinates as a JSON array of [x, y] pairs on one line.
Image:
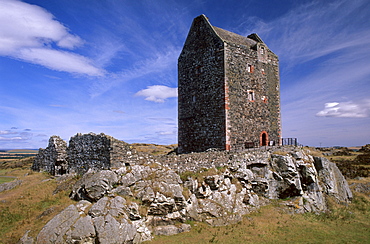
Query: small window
[[250, 68], [198, 70], [194, 99], [262, 50], [250, 95]]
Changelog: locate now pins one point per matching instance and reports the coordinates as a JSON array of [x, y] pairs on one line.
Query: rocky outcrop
[[10, 185], [131, 203]]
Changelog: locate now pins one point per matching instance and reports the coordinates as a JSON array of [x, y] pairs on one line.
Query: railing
[[289, 142]]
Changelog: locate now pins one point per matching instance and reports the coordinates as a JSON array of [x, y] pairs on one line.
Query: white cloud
[[346, 110], [157, 93], [59, 60], [29, 33], [7, 132]]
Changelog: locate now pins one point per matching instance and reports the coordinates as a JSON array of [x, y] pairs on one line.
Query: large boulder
[[94, 185], [56, 229]]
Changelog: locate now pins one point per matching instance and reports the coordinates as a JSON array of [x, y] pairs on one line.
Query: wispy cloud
[[316, 29], [19, 136], [346, 109], [157, 63], [157, 93], [30, 34]]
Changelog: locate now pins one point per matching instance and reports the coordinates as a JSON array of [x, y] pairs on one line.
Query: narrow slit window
[[250, 95], [250, 68], [198, 70]]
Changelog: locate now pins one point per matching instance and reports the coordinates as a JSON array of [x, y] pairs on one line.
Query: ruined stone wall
[[84, 152], [201, 90], [53, 158], [100, 151]]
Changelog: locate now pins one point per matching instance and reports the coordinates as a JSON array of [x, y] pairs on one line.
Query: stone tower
[[229, 91]]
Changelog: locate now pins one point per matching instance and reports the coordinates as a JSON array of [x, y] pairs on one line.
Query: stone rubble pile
[[131, 203]]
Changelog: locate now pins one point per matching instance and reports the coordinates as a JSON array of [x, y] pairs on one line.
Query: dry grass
[[154, 149], [29, 206]]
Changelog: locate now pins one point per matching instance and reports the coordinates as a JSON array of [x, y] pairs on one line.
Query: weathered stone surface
[[94, 185], [99, 208], [82, 231], [332, 180], [110, 230], [169, 230], [26, 239], [55, 230], [9, 185]]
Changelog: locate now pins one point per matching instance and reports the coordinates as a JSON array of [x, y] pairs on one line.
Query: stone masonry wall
[[201, 90], [229, 91], [53, 158], [249, 118], [84, 152]]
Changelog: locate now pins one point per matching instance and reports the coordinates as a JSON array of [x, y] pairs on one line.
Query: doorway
[[264, 138]]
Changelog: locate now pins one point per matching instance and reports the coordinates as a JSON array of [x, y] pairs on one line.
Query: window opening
[[250, 68], [250, 95], [198, 70]]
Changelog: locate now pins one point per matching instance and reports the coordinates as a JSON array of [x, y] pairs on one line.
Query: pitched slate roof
[[234, 38]]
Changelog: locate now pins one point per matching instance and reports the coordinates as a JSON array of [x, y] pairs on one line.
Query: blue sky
[[70, 67]]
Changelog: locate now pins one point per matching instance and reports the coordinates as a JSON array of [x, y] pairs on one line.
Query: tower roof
[[231, 37], [234, 38]]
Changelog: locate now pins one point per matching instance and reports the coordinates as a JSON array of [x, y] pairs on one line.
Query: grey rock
[[99, 208], [332, 180], [117, 207], [55, 230], [83, 231], [26, 239], [94, 185], [83, 205], [10, 185], [169, 230], [109, 230], [122, 191]]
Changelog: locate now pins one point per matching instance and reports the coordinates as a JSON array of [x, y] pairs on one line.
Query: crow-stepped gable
[[229, 91]]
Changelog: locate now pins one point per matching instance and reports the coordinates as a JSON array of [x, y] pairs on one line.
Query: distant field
[[22, 151], [16, 154]]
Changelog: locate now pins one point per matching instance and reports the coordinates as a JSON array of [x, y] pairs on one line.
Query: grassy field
[[29, 206], [32, 204]]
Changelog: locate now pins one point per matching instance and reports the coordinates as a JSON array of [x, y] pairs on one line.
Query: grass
[[5, 179], [29, 206], [271, 224]]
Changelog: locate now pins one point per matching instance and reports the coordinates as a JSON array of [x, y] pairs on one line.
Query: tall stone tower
[[229, 91]]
